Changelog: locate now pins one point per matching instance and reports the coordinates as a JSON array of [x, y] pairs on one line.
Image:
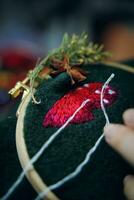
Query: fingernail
[[110, 132]]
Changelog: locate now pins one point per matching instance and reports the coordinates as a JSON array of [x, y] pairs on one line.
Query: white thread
[[88, 155], [102, 95], [50, 140], [73, 174], [39, 153]]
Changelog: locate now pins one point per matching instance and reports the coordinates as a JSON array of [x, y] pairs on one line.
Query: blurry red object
[[17, 59]]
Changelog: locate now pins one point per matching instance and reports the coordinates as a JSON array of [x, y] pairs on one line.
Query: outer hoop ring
[[24, 158], [32, 175]]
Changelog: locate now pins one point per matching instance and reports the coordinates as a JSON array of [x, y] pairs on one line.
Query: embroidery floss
[[89, 154], [101, 98], [58, 113], [49, 141], [39, 153]]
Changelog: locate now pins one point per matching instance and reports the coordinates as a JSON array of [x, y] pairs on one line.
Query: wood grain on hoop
[[32, 175], [119, 66]]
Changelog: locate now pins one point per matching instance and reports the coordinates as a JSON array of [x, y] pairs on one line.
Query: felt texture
[[64, 108], [9, 163], [102, 178]]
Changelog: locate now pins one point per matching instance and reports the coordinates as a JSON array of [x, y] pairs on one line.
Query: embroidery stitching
[[65, 106]]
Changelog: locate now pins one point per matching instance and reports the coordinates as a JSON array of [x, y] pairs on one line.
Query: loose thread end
[[34, 99], [32, 93], [112, 75]]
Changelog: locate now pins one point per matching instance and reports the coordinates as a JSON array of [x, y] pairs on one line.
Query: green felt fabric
[[102, 178], [9, 164]]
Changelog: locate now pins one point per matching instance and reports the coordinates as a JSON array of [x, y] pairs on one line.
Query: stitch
[[105, 101], [57, 115], [86, 85], [89, 153], [111, 91], [97, 91]]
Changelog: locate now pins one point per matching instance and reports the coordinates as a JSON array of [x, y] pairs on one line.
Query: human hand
[[121, 138]]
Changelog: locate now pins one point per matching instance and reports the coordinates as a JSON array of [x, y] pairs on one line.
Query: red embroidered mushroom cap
[[69, 103]]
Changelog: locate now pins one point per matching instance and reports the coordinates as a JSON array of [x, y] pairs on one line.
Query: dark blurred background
[[31, 28]]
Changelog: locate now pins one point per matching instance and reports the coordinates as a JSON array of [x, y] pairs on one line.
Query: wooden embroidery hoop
[[32, 175]]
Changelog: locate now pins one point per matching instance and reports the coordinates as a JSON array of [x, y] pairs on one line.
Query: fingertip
[[121, 138], [111, 131], [129, 187], [128, 178], [108, 128], [128, 117]]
